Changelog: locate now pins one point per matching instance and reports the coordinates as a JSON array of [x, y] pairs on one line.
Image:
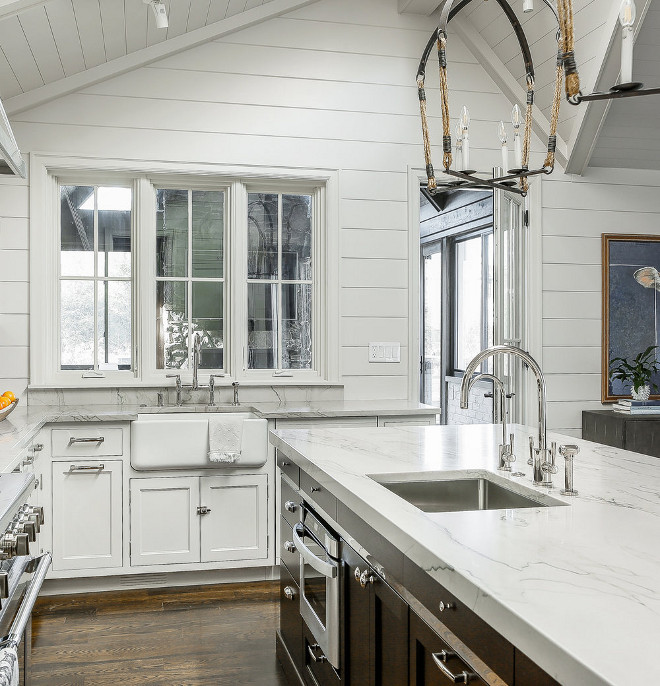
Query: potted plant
[[637, 371]]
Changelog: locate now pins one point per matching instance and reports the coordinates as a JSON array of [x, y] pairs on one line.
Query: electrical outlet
[[385, 352]]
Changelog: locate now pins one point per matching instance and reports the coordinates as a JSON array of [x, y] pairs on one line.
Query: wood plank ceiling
[[43, 42], [630, 137]]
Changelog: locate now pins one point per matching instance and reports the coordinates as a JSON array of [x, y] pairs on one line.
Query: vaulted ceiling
[[51, 47]]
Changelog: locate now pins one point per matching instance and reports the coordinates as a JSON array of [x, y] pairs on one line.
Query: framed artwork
[[631, 304]]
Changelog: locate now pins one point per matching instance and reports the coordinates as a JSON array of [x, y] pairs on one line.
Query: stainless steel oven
[[22, 578], [320, 580]]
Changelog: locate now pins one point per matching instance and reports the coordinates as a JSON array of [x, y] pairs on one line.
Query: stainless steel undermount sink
[[464, 494]]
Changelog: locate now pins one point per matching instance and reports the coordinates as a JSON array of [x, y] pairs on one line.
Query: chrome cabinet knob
[[289, 593], [290, 506], [356, 574], [366, 578], [290, 546], [442, 606]]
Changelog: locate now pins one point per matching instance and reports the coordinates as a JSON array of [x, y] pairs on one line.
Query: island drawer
[[291, 560], [288, 468], [291, 499], [291, 623], [87, 441], [486, 643], [319, 494]]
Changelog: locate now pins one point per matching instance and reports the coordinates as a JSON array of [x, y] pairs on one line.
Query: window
[[279, 277], [142, 264], [95, 283], [190, 271]]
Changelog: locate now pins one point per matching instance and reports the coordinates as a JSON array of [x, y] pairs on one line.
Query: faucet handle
[[549, 466], [174, 376], [568, 452], [530, 461]]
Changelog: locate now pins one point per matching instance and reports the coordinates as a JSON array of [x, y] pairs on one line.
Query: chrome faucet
[[197, 353], [179, 399], [235, 387], [543, 466], [506, 449]]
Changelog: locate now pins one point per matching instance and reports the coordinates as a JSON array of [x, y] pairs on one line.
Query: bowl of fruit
[[8, 403]]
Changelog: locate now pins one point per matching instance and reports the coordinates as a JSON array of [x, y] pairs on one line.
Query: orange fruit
[[4, 402], [10, 395]]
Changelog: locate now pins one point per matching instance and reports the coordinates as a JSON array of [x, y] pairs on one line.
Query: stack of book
[[638, 407]]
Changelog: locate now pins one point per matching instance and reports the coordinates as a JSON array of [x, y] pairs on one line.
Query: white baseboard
[[164, 580]]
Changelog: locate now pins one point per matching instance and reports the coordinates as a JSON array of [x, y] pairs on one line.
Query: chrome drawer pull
[[98, 440], [441, 658], [311, 649], [290, 546], [86, 468], [290, 506]]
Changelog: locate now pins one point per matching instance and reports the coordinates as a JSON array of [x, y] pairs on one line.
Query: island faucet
[[543, 466], [506, 449]]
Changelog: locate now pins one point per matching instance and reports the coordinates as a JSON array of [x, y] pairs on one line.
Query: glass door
[[431, 364]]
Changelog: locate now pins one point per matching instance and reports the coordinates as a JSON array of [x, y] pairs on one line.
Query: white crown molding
[[141, 58]]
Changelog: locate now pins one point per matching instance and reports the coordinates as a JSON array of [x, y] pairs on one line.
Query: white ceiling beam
[[511, 89], [591, 115], [426, 7], [153, 53]]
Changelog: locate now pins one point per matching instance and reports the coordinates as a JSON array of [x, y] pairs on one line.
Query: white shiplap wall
[[576, 211], [330, 86], [14, 276]]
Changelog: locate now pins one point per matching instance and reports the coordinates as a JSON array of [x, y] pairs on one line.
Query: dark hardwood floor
[[194, 636]]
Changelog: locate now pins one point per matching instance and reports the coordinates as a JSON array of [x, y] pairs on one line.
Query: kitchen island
[[576, 588]]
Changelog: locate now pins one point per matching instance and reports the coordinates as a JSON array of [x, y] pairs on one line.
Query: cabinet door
[[236, 528], [389, 617], [164, 520], [87, 514], [427, 666], [357, 613], [375, 629]]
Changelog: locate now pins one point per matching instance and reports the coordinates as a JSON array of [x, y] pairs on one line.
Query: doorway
[[471, 272]]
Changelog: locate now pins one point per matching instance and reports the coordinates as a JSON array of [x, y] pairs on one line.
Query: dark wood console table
[[640, 434]]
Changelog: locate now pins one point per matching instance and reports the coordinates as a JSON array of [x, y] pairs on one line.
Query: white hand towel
[[8, 667], [225, 437]]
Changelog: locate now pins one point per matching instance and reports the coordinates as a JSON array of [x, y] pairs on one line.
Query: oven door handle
[[25, 611], [328, 569]]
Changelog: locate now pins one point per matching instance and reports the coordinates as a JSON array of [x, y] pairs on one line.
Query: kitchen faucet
[[506, 449], [543, 459], [197, 353]]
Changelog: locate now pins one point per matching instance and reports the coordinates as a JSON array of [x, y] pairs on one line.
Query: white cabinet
[[236, 526], [164, 520], [199, 519], [87, 514]]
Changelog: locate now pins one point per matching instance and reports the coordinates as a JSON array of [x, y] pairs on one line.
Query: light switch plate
[[385, 352]]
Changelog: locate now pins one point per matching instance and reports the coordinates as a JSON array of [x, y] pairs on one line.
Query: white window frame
[[45, 172]]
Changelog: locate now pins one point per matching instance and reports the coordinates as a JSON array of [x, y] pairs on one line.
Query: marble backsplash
[[148, 396]]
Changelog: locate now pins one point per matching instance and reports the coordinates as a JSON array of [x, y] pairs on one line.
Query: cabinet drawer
[[432, 661], [318, 494], [487, 644], [291, 623], [290, 509], [87, 441], [290, 559], [317, 672], [288, 468]]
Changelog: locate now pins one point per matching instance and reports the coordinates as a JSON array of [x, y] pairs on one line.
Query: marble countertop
[[20, 427], [576, 588]]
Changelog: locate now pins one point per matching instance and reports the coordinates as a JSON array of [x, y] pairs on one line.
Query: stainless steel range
[[21, 575]]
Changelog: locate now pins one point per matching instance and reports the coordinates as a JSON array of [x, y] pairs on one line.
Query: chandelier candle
[[501, 132], [459, 141], [465, 123], [627, 19], [516, 120]]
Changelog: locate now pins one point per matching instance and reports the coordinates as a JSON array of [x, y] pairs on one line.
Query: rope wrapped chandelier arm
[[467, 178]]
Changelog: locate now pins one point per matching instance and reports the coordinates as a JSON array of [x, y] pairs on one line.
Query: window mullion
[[189, 294], [96, 274], [280, 202]]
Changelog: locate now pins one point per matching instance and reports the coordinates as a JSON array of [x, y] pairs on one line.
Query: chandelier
[[515, 179]]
